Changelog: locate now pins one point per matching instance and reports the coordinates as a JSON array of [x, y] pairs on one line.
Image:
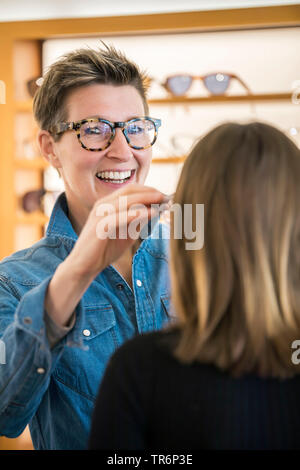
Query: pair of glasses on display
[[38, 200], [33, 200], [216, 83], [178, 145], [96, 134]]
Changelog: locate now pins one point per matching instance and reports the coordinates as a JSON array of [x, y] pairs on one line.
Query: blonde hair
[[79, 68], [238, 298]]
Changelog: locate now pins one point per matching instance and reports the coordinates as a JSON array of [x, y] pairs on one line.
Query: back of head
[[238, 298], [83, 67]]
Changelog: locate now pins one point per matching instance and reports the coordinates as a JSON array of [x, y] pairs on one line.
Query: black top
[[149, 400]]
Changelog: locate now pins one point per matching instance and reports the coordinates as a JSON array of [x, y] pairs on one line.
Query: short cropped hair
[[238, 298], [80, 68]]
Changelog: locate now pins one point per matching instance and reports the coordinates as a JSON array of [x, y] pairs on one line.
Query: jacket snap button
[[139, 283], [86, 332]]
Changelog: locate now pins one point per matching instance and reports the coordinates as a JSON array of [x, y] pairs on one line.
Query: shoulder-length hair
[[238, 298]]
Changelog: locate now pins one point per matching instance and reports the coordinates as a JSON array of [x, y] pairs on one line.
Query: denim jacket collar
[[59, 223]]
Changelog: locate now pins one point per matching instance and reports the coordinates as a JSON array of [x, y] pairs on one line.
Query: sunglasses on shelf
[[32, 200], [216, 83], [179, 145]]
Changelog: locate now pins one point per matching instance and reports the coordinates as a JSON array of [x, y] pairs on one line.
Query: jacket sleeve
[[28, 362]]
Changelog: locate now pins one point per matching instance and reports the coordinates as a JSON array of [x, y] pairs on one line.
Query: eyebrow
[[91, 117], [96, 116], [101, 117]]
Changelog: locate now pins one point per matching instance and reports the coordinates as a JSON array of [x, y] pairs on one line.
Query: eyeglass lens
[[96, 135], [217, 83], [179, 84]]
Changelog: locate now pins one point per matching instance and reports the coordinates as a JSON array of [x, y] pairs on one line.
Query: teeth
[[114, 175]]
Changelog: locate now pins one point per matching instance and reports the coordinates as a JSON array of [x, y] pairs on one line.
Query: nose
[[119, 147]]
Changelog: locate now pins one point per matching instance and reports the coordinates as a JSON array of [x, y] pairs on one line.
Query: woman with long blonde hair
[[226, 374]]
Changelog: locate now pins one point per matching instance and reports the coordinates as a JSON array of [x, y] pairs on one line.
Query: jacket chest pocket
[[99, 320], [82, 369]]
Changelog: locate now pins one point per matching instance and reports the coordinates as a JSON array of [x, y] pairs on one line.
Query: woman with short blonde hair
[[71, 299]]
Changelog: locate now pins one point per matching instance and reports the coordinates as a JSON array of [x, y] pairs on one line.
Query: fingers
[[131, 189], [125, 224], [134, 188], [119, 202]]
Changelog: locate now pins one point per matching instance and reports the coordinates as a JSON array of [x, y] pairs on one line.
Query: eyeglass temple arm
[[242, 83], [63, 127]]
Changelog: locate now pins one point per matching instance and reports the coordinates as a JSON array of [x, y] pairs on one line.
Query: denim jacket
[[54, 389]]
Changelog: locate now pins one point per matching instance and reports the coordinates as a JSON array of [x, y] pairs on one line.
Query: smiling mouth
[[116, 177]]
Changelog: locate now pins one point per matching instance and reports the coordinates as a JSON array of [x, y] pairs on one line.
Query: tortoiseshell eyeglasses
[[97, 134]]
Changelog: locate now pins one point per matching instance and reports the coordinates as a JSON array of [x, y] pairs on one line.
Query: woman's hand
[[109, 231], [112, 217]]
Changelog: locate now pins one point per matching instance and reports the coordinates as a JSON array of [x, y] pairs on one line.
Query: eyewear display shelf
[[28, 165], [21, 166]]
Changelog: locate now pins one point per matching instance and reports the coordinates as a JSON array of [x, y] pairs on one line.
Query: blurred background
[[246, 53]]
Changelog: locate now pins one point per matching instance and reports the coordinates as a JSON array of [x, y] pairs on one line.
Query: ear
[[47, 147]]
